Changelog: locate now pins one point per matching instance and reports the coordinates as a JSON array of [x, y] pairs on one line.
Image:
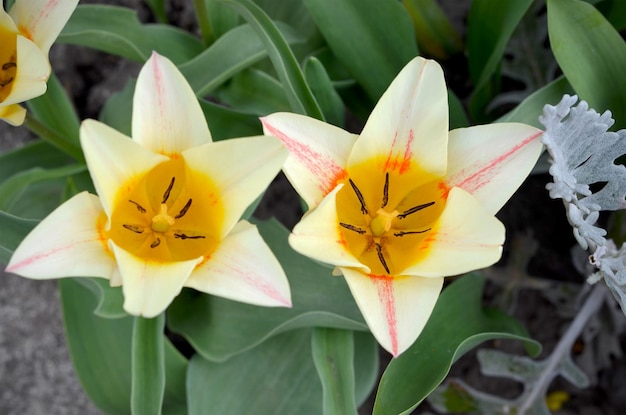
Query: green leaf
[[591, 54], [110, 299], [101, 353], [238, 49], [458, 118], [255, 92], [227, 123], [366, 364], [158, 8], [435, 34], [298, 92], [333, 357], [148, 366], [277, 377], [529, 110], [117, 111], [14, 229], [319, 300], [215, 19], [34, 154], [325, 94], [13, 187], [458, 324], [373, 38], [116, 30], [490, 26]]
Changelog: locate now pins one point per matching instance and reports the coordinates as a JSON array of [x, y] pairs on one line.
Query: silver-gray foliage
[[583, 154]]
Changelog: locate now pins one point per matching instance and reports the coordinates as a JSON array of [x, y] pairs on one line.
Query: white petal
[[395, 309], [318, 236], [67, 243], [13, 114], [150, 286], [113, 160], [167, 117], [32, 73], [318, 153], [492, 161], [240, 168], [243, 268], [407, 131], [42, 20], [466, 237]]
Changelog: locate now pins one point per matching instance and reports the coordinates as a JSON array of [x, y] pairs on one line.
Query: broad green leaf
[[458, 118], [490, 26], [215, 19], [333, 351], [116, 30], [458, 324], [298, 93], [614, 11], [55, 110], [325, 94], [277, 377], [34, 154], [13, 187], [101, 353], [39, 199], [435, 34], [255, 92], [374, 39], [110, 299], [117, 111], [238, 49], [14, 229], [147, 366], [366, 364], [158, 8], [591, 54], [529, 110], [319, 300]]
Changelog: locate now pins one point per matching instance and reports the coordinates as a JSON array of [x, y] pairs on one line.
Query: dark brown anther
[[414, 209], [402, 233], [359, 195], [155, 243], [381, 258], [8, 65], [166, 195], [134, 228], [352, 228], [183, 236], [138, 206], [183, 210], [386, 191], [7, 82]]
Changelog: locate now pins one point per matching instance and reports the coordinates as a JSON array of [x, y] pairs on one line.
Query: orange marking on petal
[[397, 161], [384, 286], [43, 13]]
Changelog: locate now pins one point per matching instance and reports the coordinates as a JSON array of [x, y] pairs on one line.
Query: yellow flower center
[[169, 214], [8, 59], [385, 221]]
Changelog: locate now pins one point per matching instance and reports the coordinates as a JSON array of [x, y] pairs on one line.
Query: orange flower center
[[169, 214], [8, 59], [385, 221]]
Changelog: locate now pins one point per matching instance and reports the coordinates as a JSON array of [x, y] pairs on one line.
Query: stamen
[[352, 228], [402, 233], [155, 243], [379, 250], [166, 195], [183, 210], [359, 195], [139, 207], [8, 65], [183, 236], [7, 82], [414, 209], [134, 228], [386, 191]]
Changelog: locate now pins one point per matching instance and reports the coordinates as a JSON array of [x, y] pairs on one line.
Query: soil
[[537, 231]]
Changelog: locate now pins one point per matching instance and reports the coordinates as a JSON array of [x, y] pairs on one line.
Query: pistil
[[161, 222]]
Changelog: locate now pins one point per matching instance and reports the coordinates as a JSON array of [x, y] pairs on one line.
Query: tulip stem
[[53, 137], [204, 23]]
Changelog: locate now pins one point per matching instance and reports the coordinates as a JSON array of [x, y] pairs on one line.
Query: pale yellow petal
[[32, 73], [114, 160], [466, 237], [241, 170], [42, 20], [150, 286], [491, 161], [13, 114], [167, 117], [318, 236], [318, 153], [407, 132], [244, 269], [395, 309], [6, 22], [67, 243]]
